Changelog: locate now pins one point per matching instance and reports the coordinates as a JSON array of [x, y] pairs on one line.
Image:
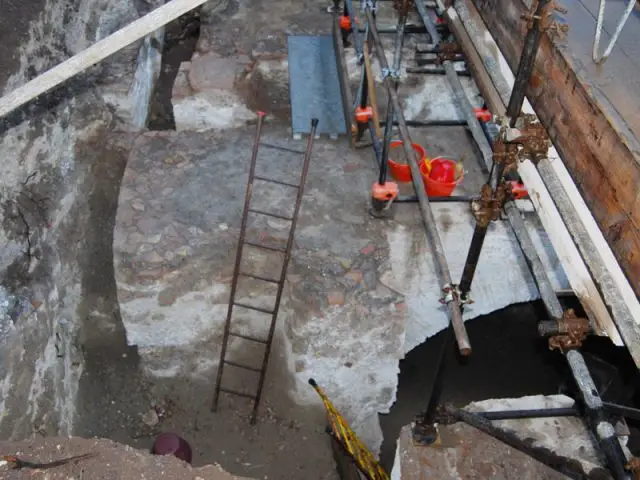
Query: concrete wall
[[59, 177]]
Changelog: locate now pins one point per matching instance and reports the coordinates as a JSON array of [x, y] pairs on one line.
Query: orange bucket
[[436, 188], [401, 172]]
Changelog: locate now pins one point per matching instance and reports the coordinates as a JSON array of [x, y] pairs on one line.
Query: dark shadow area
[[508, 360], [112, 392], [181, 38]]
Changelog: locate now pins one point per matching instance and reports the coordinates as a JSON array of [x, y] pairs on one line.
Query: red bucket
[[401, 172], [441, 176]]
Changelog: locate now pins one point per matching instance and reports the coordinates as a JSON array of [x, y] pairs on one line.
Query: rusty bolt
[[488, 207], [572, 330], [634, 467]]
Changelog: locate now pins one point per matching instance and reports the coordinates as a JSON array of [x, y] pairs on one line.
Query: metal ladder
[[228, 331]]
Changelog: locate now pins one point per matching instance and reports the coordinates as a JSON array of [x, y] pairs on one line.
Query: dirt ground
[[97, 459]]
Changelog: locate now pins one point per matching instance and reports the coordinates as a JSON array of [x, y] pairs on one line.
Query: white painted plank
[[570, 258], [96, 53]]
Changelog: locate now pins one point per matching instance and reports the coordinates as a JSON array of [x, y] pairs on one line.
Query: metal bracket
[[448, 51], [390, 73], [450, 291], [489, 206], [547, 23], [527, 140], [368, 4], [596, 41], [568, 333]]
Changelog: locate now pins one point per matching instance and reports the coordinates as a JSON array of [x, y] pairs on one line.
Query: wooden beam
[[569, 204], [97, 52]]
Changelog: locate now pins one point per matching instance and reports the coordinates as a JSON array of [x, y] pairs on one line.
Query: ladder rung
[[267, 214], [259, 309], [279, 182], [240, 365], [235, 392], [258, 277], [266, 247], [248, 337]]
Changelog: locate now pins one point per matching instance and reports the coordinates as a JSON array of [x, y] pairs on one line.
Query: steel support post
[[452, 301], [525, 67], [388, 126]]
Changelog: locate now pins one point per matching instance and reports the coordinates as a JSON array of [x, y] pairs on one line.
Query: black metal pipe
[[436, 71], [541, 413], [594, 408], [436, 49], [525, 67], [479, 234], [408, 29], [551, 459], [622, 410], [397, 60], [547, 293], [364, 100], [429, 61], [357, 40], [384, 158], [437, 384], [451, 199], [437, 248], [430, 123]]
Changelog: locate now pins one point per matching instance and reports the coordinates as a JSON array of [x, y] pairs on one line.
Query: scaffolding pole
[[450, 295]]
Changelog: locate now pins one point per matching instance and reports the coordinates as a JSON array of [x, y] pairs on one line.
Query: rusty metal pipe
[[462, 338], [238, 260]]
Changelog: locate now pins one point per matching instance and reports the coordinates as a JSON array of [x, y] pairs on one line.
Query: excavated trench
[[509, 360]]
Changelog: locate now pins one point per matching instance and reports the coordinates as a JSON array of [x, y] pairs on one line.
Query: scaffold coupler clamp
[[566, 333], [391, 73], [452, 291], [369, 5]]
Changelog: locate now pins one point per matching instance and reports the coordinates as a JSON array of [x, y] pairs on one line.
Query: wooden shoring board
[[97, 52]]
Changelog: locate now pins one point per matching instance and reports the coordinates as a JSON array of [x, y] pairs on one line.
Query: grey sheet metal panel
[[314, 87]]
